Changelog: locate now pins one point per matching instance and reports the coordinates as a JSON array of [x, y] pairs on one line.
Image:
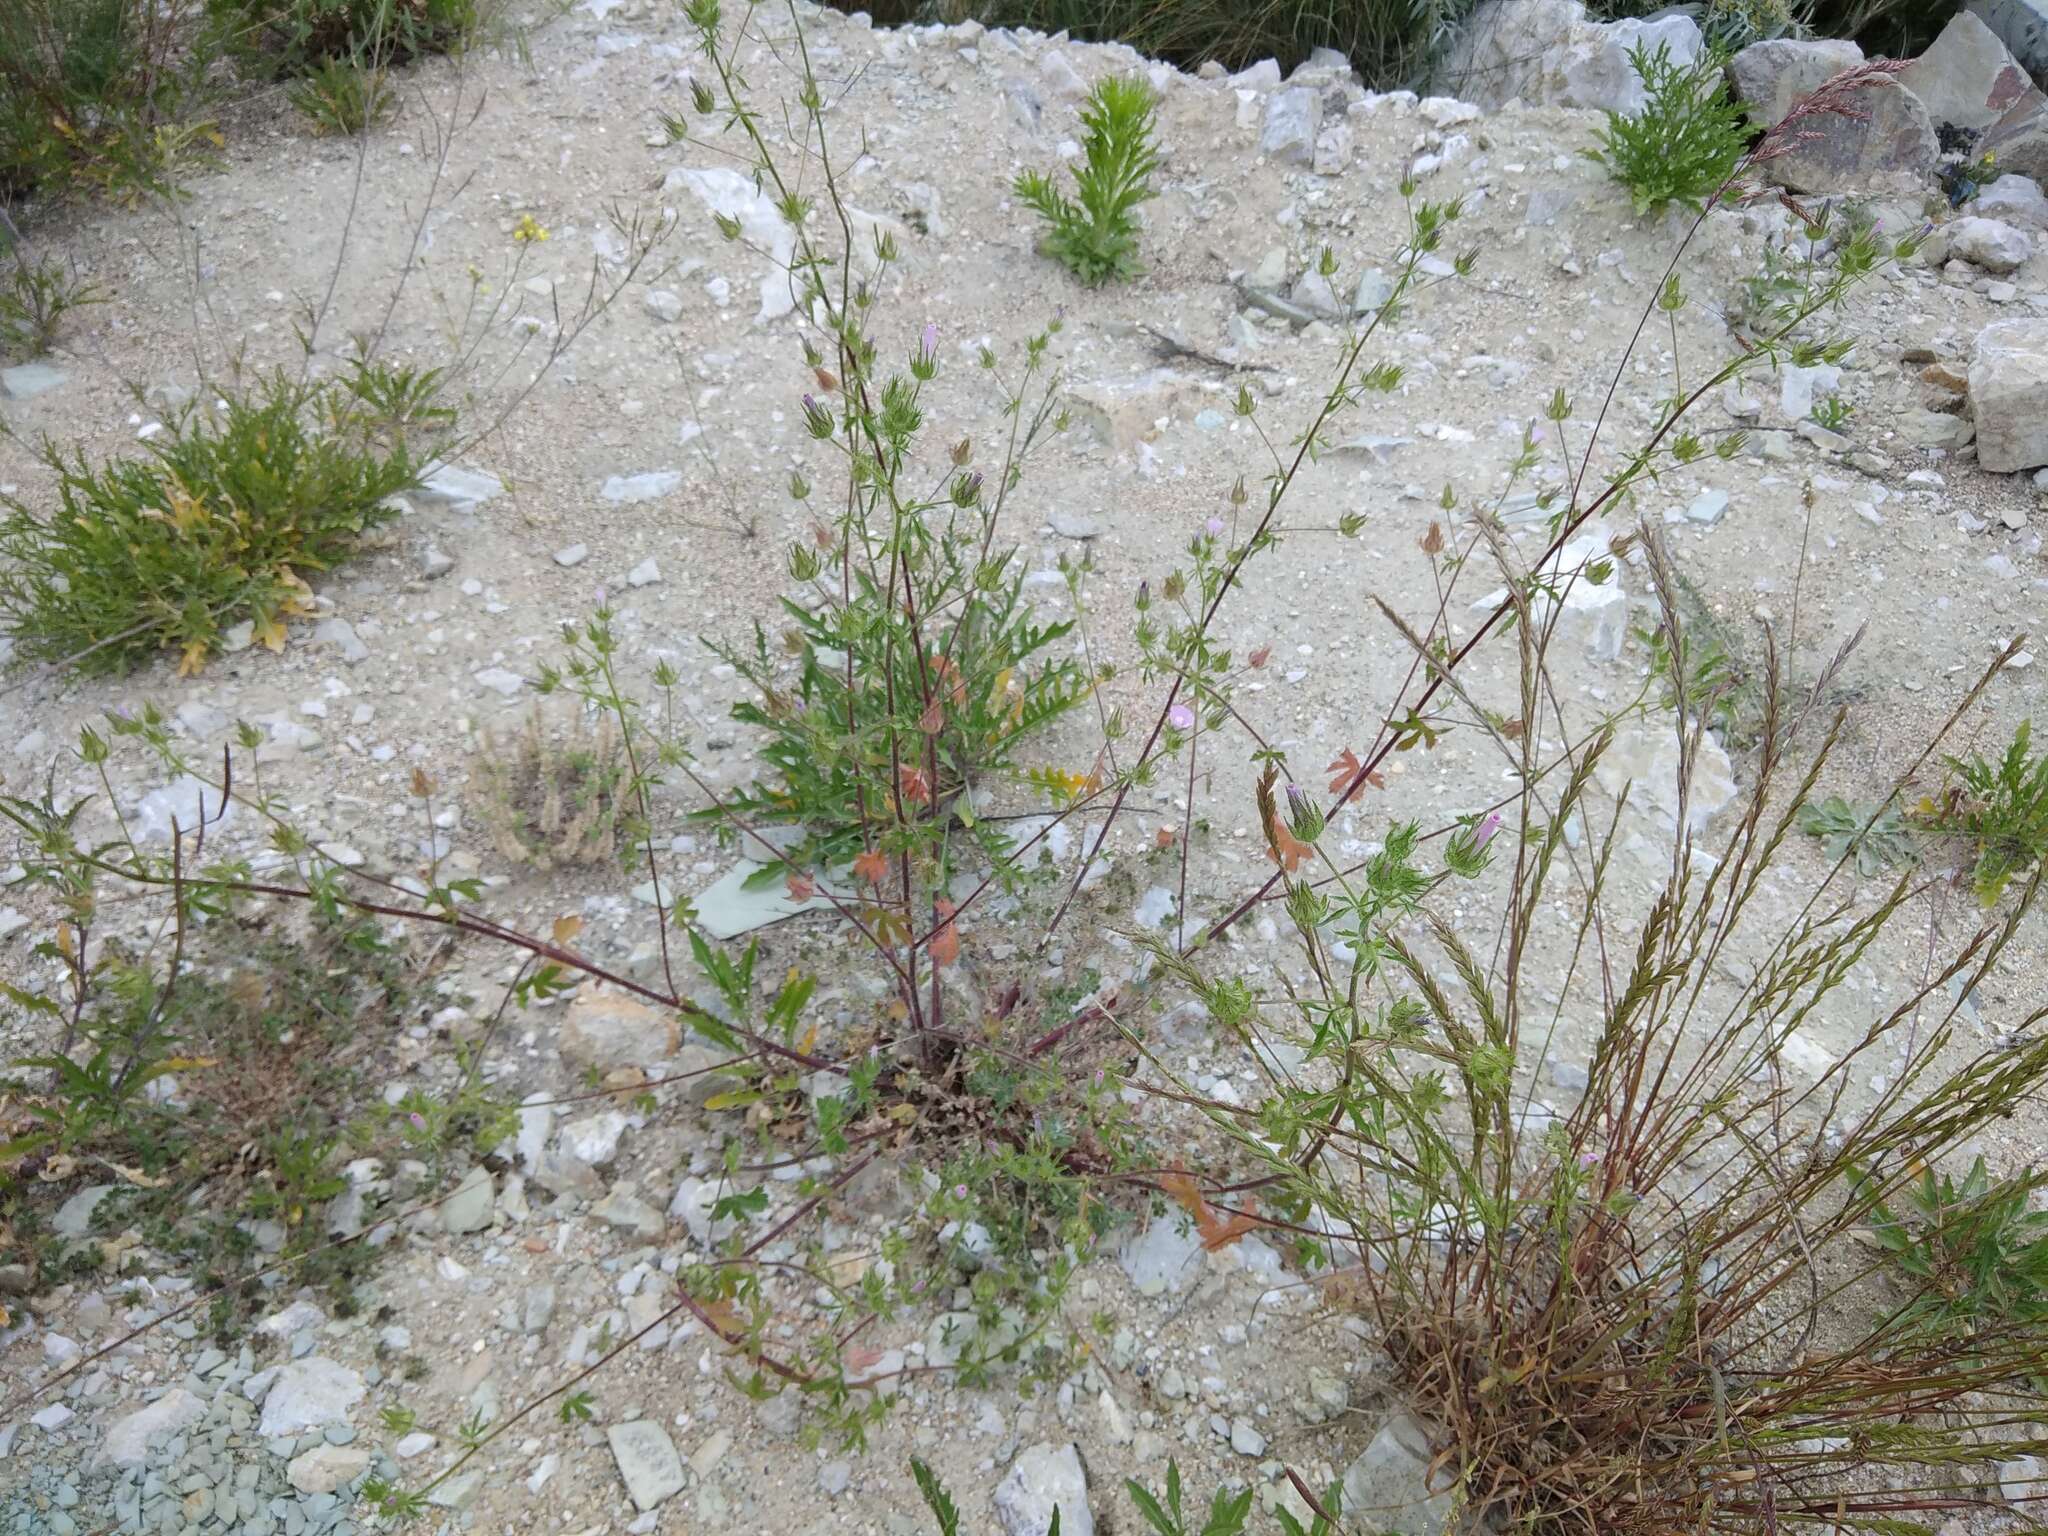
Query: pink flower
[[1215, 527], [931, 339], [1181, 718], [1486, 830]]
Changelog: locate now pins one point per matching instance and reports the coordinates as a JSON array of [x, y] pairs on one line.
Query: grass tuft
[[342, 98]]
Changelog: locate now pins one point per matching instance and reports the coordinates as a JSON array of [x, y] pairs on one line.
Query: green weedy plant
[[1974, 1253], [218, 522], [34, 299], [1687, 139], [96, 94], [1095, 234], [2002, 807], [342, 98], [1875, 836]]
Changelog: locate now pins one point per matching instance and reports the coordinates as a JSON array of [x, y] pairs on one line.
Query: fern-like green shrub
[[1685, 142], [1095, 233]]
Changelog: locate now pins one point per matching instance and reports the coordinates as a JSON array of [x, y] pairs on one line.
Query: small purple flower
[[931, 339], [1589, 1159], [1181, 718], [1486, 830], [419, 1121], [1215, 526], [1297, 798], [959, 1190]]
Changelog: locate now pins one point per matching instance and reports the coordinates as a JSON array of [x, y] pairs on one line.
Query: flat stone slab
[[648, 1463]]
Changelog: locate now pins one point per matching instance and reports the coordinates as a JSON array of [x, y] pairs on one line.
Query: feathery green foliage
[[34, 299], [1096, 237], [1686, 140], [218, 521]]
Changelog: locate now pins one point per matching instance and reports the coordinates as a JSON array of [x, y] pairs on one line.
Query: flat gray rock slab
[[726, 908], [309, 1394], [648, 1463], [28, 380], [132, 1437]]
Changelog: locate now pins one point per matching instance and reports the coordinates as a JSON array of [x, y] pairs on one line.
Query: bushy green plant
[[1095, 233], [866, 689], [1974, 1253], [295, 37], [1685, 141], [2001, 807], [34, 299], [1875, 835], [94, 94], [216, 523], [342, 98]]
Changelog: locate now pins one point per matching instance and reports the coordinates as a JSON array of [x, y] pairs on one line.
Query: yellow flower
[[527, 231]]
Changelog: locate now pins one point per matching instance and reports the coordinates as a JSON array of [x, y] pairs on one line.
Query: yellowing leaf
[[566, 928], [269, 632], [187, 510], [734, 1099], [191, 658]]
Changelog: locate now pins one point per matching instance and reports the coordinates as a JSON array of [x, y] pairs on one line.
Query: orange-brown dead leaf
[[723, 1319], [1216, 1229], [1288, 851], [801, 886], [870, 865], [945, 943], [1344, 767]]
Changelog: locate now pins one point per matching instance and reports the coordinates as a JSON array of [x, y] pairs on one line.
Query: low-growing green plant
[[1832, 412], [1094, 234], [1687, 138], [342, 98], [1162, 1511], [34, 299], [1974, 1254], [2001, 807], [1876, 836], [217, 523]]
